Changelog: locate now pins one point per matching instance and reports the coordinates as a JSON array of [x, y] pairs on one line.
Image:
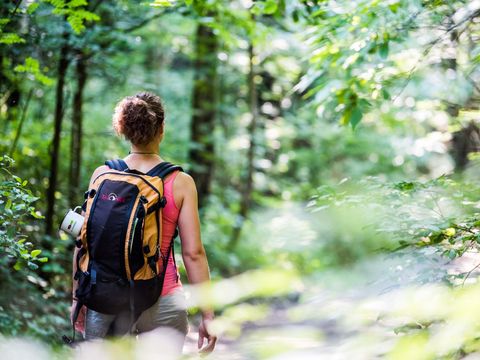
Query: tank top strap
[[168, 191], [171, 177]]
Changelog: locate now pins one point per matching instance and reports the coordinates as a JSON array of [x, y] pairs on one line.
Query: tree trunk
[[204, 108], [76, 135], [248, 181], [55, 147], [20, 125], [467, 139]]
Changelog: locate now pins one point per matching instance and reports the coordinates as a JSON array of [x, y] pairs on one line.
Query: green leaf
[[32, 265], [386, 95], [8, 205], [43, 259], [32, 66], [36, 214], [383, 50], [11, 38], [270, 7], [161, 3], [4, 21], [404, 186], [18, 265], [77, 3], [394, 7], [35, 253], [356, 116], [32, 7]]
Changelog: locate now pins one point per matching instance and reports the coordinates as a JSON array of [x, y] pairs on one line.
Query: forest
[[335, 149]]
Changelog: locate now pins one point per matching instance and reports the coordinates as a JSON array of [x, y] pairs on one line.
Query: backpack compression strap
[[117, 164]]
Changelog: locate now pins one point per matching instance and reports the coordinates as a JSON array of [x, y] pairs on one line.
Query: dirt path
[[330, 319]]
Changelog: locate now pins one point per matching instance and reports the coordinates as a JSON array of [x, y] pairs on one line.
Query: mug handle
[[76, 208]]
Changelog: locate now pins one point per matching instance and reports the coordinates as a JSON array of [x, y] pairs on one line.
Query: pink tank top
[[169, 223]]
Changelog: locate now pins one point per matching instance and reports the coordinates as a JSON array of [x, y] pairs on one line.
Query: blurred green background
[[334, 145]]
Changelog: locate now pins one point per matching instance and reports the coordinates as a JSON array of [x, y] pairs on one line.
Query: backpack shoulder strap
[[163, 169], [117, 164]]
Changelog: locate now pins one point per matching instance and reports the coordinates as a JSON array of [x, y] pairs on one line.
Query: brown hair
[[139, 117]]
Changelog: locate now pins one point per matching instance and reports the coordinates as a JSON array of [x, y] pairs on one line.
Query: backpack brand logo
[[113, 197]]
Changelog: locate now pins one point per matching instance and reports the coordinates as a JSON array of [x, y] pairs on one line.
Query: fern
[[75, 13], [3, 22], [32, 67], [77, 3], [10, 38]]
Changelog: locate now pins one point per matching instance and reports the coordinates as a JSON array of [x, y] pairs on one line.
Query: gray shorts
[[170, 311]]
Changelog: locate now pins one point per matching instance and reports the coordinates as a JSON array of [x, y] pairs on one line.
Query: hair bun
[[138, 119]]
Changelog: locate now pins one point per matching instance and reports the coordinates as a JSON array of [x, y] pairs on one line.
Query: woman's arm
[[193, 252]]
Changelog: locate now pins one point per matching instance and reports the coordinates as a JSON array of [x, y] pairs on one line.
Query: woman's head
[[139, 118]]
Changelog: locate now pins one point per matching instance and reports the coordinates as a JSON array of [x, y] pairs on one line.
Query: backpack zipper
[[133, 232], [132, 235]]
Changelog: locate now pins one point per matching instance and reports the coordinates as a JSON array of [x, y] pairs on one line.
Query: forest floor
[[337, 315]]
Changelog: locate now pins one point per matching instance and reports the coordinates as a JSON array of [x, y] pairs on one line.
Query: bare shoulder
[[98, 171], [184, 189], [185, 180]]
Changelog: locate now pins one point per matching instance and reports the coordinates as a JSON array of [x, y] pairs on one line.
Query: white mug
[[73, 222]]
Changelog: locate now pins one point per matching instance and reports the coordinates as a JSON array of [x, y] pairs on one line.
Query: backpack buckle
[[163, 202]]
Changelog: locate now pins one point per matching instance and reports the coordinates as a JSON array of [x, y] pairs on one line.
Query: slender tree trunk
[[76, 135], [204, 109], [12, 103], [467, 139], [248, 181], [55, 147], [20, 125]]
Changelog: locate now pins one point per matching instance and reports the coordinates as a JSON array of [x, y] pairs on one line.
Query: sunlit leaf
[[11, 38], [32, 7], [162, 3], [35, 253]]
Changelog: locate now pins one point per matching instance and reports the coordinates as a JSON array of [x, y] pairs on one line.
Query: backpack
[[120, 241]]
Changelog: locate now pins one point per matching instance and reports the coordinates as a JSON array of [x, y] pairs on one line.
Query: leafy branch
[[16, 208]]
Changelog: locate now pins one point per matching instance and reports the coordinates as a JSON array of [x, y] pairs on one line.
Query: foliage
[[405, 70], [366, 52], [442, 212], [28, 304], [17, 210], [74, 12], [32, 67]]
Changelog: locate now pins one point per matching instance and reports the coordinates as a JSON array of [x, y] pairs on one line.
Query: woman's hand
[[80, 323], [203, 333]]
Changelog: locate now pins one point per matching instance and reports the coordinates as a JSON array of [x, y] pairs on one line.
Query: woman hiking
[[140, 120]]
